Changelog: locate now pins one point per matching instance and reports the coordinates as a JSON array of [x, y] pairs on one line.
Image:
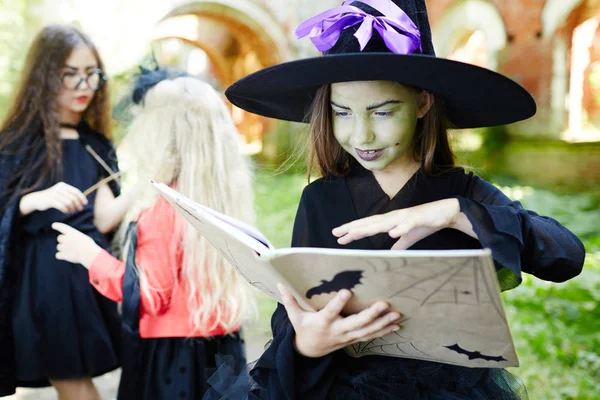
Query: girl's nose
[[363, 132]]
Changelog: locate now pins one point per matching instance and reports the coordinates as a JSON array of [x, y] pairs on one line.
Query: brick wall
[[527, 57]]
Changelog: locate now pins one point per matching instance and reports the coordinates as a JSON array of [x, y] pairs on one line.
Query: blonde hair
[[183, 135]]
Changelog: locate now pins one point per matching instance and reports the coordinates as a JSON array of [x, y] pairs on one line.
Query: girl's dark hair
[[32, 124], [431, 146]]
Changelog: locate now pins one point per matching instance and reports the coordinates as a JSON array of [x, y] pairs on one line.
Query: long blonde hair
[[183, 135]]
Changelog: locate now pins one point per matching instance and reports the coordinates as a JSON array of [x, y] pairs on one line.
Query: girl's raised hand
[[74, 246], [409, 224], [323, 332]]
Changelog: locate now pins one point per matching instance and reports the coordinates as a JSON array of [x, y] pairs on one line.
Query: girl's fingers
[[402, 244], [73, 200], [413, 236], [400, 230], [359, 223], [335, 306], [289, 302], [60, 227], [385, 331], [366, 227], [67, 201], [60, 206], [64, 228], [366, 231], [72, 197], [78, 195], [374, 328], [361, 319]]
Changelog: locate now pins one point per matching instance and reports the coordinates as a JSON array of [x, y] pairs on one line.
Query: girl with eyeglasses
[[55, 328]]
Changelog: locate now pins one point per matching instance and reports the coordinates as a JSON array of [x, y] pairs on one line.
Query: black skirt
[[179, 368]]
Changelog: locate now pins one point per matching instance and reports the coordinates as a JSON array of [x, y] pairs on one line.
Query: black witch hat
[[366, 40]]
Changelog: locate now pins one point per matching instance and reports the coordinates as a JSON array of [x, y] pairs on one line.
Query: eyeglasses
[[94, 80]]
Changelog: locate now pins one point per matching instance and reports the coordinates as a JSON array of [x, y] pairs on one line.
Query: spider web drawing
[[452, 281], [393, 344], [460, 281]]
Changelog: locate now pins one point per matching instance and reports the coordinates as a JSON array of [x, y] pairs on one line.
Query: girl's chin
[[376, 165], [78, 108]]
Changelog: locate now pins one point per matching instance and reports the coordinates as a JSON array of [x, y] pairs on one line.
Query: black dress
[[175, 368], [520, 240], [62, 327]]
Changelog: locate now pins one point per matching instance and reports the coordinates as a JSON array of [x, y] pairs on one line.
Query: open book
[[450, 299]]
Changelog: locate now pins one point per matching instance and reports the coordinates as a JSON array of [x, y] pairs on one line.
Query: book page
[[242, 226], [260, 242], [241, 250], [450, 300]]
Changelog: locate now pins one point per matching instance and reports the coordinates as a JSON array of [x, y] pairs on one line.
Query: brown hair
[[33, 120], [431, 146]]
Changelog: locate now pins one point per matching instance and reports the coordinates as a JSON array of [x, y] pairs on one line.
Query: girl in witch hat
[[379, 104], [56, 160], [183, 303]]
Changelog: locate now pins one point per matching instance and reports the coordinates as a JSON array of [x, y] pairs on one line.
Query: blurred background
[[551, 163]]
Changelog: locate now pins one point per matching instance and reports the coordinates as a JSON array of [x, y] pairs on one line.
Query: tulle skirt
[[178, 368], [423, 380]]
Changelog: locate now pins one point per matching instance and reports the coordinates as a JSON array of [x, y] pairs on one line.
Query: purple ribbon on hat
[[325, 29]]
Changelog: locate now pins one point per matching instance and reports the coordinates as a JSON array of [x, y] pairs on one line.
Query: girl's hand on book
[[323, 332], [74, 246], [409, 224]]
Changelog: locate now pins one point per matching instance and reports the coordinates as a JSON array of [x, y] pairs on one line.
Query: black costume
[[390, 40], [520, 240], [53, 323]]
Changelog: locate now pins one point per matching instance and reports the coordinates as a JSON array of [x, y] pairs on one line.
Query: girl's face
[[80, 79], [375, 121]]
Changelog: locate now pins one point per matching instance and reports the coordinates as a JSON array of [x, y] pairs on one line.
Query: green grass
[[276, 199], [555, 326]]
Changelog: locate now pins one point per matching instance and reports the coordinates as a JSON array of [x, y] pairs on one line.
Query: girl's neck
[[69, 117], [394, 176]]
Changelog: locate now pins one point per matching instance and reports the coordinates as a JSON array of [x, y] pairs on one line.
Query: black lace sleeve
[[521, 240]]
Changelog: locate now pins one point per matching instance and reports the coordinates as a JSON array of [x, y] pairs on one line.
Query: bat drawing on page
[[343, 280], [473, 355]]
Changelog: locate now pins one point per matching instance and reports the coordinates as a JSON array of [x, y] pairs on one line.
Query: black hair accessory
[[147, 79]]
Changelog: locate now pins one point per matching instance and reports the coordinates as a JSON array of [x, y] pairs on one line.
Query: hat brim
[[475, 96]]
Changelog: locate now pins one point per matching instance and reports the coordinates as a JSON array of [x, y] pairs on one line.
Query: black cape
[[520, 240], [10, 259]]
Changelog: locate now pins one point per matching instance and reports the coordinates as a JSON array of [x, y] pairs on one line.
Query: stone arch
[[237, 38], [555, 13], [465, 17], [591, 84], [245, 22]]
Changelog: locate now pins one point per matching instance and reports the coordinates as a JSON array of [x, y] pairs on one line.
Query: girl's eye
[[383, 113], [341, 113]]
